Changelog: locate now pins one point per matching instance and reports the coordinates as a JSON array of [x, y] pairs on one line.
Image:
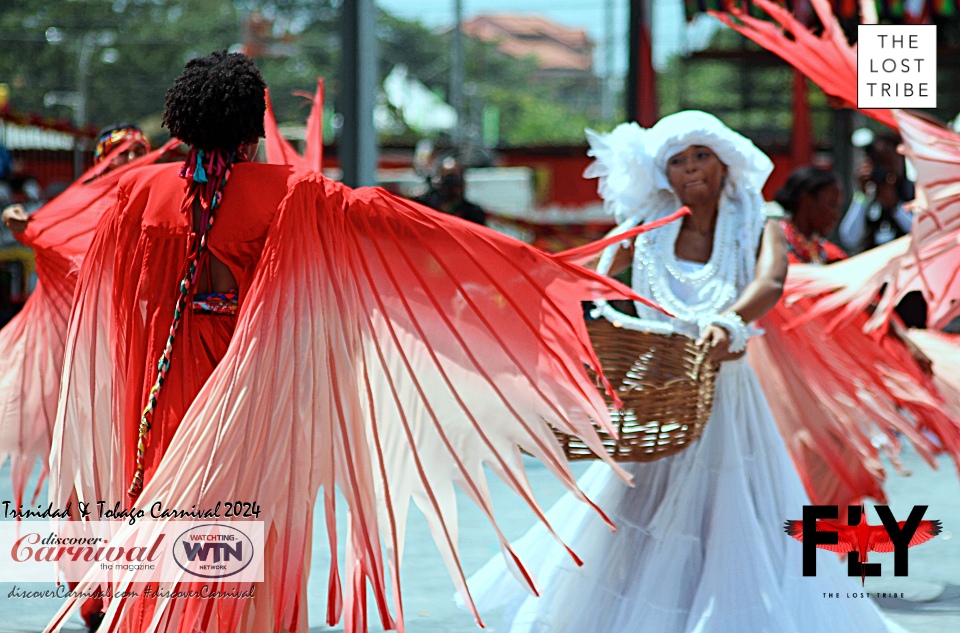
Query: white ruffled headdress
[[631, 163]]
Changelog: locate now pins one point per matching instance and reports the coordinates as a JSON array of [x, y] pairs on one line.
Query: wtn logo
[[857, 538], [221, 551], [214, 551]]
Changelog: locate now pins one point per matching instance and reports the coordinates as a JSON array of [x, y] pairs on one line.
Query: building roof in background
[[555, 47]]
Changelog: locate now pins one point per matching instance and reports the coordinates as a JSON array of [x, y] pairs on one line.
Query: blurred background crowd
[[480, 105]]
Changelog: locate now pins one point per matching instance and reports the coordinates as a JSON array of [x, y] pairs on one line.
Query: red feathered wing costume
[[380, 349], [832, 388], [31, 344], [828, 59], [928, 259], [60, 232], [836, 393]]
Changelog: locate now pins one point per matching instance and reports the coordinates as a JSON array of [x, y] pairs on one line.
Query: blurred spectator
[[119, 143], [6, 194], [453, 202], [447, 194], [6, 162], [876, 214], [24, 187], [122, 142], [811, 197]]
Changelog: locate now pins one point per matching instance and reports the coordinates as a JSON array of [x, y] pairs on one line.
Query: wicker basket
[[666, 384]]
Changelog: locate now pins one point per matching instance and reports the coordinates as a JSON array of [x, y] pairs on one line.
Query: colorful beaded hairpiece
[[111, 140]]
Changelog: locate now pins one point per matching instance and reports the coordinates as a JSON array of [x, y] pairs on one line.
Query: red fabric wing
[[833, 392], [927, 260], [279, 150], [314, 150], [32, 343], [395, 352]]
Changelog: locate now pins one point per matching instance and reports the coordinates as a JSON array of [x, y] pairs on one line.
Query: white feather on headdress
[[624, 168]]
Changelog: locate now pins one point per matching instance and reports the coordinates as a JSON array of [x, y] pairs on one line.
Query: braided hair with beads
[[216, 106]]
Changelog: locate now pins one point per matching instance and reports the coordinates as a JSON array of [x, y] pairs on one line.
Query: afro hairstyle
[[807, 179], [217, 102]]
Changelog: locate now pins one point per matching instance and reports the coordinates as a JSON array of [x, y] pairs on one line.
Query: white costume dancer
[[701, 546]]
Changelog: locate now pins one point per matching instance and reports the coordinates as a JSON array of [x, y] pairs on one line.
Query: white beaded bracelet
[[733, 324]]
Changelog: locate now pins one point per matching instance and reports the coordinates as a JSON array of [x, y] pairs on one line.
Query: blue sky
[[668, 20]]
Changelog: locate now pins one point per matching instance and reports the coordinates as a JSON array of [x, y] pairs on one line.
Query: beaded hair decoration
[[113, 139], [208, 172]]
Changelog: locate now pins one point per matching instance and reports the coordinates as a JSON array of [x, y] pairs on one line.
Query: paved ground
[[932, 588]]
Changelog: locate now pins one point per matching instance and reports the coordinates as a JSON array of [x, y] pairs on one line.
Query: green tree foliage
[[148, 41], [751, 91], [532, 110]]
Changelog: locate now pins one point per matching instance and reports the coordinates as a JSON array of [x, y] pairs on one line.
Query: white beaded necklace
[[656, 262]]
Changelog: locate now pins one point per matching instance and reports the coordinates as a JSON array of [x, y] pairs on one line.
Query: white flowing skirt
[[700, 546]]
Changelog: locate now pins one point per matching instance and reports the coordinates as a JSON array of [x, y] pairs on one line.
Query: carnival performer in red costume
[[31, 345], [836, 391], [250, 331]]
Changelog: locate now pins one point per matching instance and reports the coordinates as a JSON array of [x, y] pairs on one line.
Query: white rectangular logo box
[[896, 66], [149, 551]]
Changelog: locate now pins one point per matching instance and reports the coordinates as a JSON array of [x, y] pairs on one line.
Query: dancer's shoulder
[[166, 175], [150, 175]]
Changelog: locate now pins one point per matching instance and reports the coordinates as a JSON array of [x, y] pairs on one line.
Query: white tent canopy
[[14, 136], [422, 110]]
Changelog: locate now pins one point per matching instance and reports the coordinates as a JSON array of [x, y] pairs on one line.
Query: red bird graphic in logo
[[862, 538]]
